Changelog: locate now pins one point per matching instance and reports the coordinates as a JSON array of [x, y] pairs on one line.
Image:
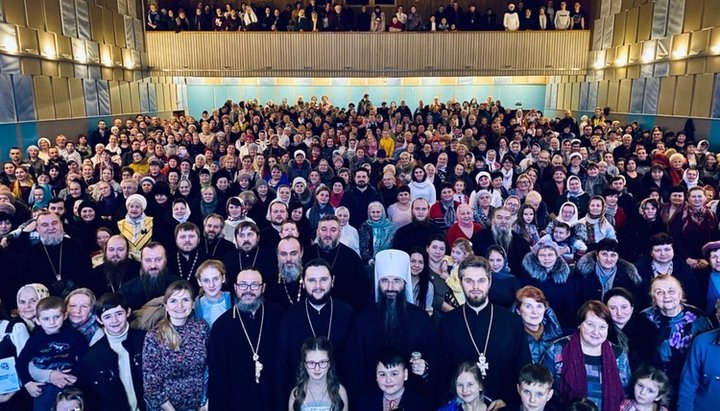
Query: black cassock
[[232, 383], [295, 329], [506, 354], [351, 284], [264, 259], [367, 341]]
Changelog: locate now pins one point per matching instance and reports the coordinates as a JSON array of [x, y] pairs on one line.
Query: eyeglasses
[[314, 364], [251, 286]]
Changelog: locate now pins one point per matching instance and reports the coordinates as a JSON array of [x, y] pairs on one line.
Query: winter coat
[[560, 286], [627, 276]]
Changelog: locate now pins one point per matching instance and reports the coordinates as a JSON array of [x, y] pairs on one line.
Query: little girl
[[460, 250], [212, 301], [650, 388]]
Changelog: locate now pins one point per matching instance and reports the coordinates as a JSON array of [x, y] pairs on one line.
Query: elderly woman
[[376, 233], [693, 227], [587, 365], [543, 268], [136, 227], [27, 299], [79, 305], [668, 327], [464, 226], [541, 325], [175, 355], [348, 234]]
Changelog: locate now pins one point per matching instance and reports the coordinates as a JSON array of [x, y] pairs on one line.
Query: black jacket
[[99, 374]]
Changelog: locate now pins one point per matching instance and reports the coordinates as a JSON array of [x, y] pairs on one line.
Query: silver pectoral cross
[[483, 365], [258, 368]]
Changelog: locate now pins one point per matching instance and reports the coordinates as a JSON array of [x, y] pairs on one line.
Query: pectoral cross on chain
[[258, 368], [483, 365]]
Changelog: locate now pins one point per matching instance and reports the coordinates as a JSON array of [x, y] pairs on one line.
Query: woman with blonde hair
[[175, 355]]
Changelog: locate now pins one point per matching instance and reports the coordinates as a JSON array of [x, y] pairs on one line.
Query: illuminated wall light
[[715, 49], [621, 61], [680, 53], [81, 56], [9, 43], [648, 56], [599, 64], [49, 52]]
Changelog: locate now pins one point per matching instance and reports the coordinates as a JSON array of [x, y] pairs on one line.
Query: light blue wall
[[206, 97]]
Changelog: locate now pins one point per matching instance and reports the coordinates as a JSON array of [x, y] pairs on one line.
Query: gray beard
[[502, 237], [251, 307], [290, 273], [328, 247], [52, 239]]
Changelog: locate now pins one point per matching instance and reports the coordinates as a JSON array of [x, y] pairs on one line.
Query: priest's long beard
[[115, 272], [502, 237], [290, 272], [51, 239], [394, 317], [154, 285]]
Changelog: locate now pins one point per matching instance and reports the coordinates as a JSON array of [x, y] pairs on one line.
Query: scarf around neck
[[449, 207]]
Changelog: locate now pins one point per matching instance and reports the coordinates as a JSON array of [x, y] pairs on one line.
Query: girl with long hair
[[318, 387], [423, 289]]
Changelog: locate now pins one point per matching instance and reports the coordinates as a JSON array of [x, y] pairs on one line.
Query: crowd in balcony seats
[[320, 255], [319, 15]]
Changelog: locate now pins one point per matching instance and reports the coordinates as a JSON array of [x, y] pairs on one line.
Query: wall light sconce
[[9, 44], [107, 61], [49, 52], [621, 61], [715, 49], [679, 53], [648, 56]]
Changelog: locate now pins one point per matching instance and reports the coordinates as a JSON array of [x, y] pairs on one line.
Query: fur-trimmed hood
[[586, 267], [560, 271]]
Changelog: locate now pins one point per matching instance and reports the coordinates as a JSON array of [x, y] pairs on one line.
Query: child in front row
[[650, 390], [212, 301], [54, 347], [535, 386]]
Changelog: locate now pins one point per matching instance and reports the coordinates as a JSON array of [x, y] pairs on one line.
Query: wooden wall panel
[[711, 14], [77, 97], [135, 97], [575, 95], [35, 16], [52, 16], [49, 68], [115, 101], [645, 22], [613, 91], [119, 25], [96, 23], [15, 12], [619, 29], [125, 97], [692, 19], [702, 95], [667, 95], [44, 98], [602, 98], [108, 27], [624, 91], [631, 25], [536, 53], [683, 96], [61, 97]]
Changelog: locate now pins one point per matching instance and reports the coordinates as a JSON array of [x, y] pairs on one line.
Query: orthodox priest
[[484, 333], [241, 350], [351, 283], [249, 253], [392, 322], [188, 254], [213, 243], [318, 314]]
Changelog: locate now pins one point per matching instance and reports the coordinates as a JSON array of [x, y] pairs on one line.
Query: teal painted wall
[[206, 97]]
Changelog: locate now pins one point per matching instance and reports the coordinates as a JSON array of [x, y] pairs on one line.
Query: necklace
[[207, 250], [337, 253], [257, 251], [192, 267], [307, 312], [58, 272], [482, 362], [255, 350], [281, 280]]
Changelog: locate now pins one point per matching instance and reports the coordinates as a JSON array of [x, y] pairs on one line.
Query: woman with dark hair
[[693, 226], [318, 386], [296, 213], [587, 365], [623, 332], [645, 224], [420, 187], [175, 355], [321, 206], [423, 289], [504, 283]]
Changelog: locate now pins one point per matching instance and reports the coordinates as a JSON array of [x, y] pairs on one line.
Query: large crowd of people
[[329, 16], [312, 256]]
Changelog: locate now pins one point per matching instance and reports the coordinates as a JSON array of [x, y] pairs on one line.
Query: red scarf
[[574, 376]]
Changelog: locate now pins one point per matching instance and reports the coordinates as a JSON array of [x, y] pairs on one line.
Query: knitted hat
[[299, 153], [393, 263], [136, 198], [299, 180], [480, 174]]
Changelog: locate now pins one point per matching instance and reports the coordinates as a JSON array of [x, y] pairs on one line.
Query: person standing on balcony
[[511, 20]]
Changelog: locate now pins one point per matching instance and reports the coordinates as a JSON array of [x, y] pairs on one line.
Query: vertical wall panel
[[593, 95], [645, 21], [91, 98], [44, 98], [125, 97], [650, 99], [683, 96], [667, 95], [108, 27], [7, 109], [77, 97], [702, 95], [608, 26], [15, 12], [152, 97], [83, 19], [35, 19], [623, 104], [115, 100], [597, 37], [631, 25], [69, 19], [675, 19], [613, 91], [135, 97], [620, 28], [660, 15], [103, 97], [129, 29], [24, 97], [61, 97], [716, 97], [602, 95], [637, 94], [144, 98], [711, 15], [693, 14]]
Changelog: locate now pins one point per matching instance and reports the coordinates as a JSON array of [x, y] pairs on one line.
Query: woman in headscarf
[[348, 234], [575, 194], [647, 222], [320, 207], [208, 201], [33, 160], [300, 192], [85, 227], [44, 145], [136, 227], [693, 227], [27, 298], [376, 233]]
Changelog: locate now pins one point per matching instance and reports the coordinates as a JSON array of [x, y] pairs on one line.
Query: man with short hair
[[415, 234], [116, 269], [118, 353], [350, 284], [100, 135], [56, 205], [154, 277], [58, 262], [242, 350], [278, 212], [501, 234], [250, 253], [318, 314], [213, 243], [393, 321], [187, 255], [482, 332], [358, 197]]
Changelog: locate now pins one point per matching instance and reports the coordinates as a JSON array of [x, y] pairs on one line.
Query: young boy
[[568, 247], [212, 302], [391, 373], [53, 348], [110, 374], [535, 387]]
